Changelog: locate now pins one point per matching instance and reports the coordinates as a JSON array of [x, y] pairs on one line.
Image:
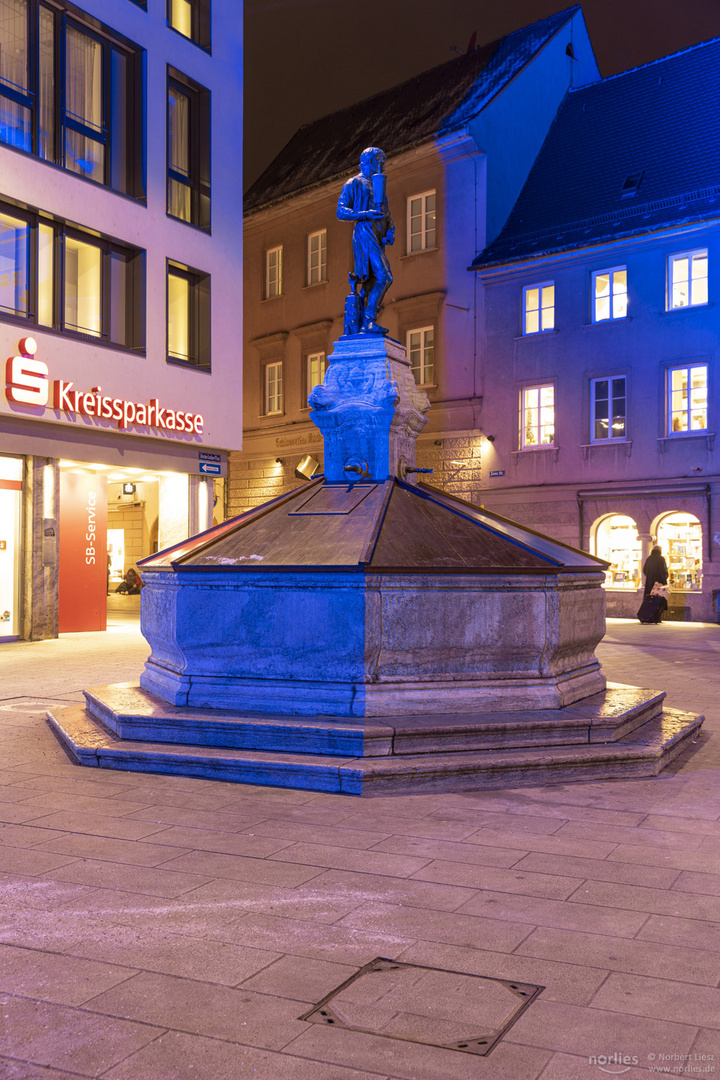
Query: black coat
[[655, 571]]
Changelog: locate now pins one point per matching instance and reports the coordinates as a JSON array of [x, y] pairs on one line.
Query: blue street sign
[[210, 467], [204, 456], [498, 472]]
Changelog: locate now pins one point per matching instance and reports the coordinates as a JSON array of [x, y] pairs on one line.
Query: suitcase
[[651, 609]]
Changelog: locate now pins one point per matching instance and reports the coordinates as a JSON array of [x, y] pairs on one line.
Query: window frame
[[267, 295], [423, 367], [132, 132], [322, 258], [539, 286], [201, 24], [611, 271], [424, 230], [134, 298], [688, 432], [279, 366], [599, 439], [199, 317], [523, 445], [690, 255], [198, 180]]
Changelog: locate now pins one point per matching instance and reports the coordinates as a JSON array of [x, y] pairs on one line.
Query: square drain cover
[[419, 1004]]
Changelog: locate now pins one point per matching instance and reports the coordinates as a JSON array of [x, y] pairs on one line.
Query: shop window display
[[617, 541], [680, 537]]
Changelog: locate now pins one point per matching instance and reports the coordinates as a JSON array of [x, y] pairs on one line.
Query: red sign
[[82, 571], [27, 383]]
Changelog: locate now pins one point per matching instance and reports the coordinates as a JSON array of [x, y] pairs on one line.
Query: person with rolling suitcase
[[656, 575]]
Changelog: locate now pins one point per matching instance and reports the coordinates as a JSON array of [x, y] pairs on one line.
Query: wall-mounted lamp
[[128, 489], [306, 467], [490, 438], [279, 461], [438, 442]]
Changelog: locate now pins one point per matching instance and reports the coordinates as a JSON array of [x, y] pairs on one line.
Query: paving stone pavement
[[166, 928]]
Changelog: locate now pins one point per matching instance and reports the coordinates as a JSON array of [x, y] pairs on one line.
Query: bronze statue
[[363, 200]]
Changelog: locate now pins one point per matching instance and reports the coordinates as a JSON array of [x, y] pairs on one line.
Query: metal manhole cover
[[420, 1004]]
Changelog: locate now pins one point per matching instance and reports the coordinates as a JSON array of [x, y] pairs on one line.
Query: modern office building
[[120, 291]]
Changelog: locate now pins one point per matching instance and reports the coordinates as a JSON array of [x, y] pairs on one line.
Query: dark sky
[[307, 58]]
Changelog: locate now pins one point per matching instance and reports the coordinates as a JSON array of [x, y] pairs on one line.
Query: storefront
[[11, 477], [94, 485]]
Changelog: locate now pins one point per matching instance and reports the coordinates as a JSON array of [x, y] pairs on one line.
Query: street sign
[[498, 472], [203, 455], [210, 467]]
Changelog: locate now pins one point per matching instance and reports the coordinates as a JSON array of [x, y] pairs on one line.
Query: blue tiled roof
[[436, 102], [660, 121]]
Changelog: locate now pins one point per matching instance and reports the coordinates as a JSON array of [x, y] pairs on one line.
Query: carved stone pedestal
[[368, 409]]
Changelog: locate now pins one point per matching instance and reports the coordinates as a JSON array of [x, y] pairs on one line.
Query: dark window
[[62, 278], [188, 316], [188, 151], [191, 18], [71, 93]]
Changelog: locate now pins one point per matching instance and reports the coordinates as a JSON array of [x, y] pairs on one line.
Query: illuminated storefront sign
[[27, 383]]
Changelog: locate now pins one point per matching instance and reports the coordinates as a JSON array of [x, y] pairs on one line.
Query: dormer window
[[631, 185]]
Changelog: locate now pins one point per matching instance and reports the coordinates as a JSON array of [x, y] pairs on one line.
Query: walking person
[[655, 570], [654, 599]]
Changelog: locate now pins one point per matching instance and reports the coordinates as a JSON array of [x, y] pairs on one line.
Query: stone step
[[643, 752], [134, 714]]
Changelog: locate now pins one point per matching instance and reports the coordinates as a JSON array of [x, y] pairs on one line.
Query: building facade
[[120, 292], [460, 141], [601, 332]]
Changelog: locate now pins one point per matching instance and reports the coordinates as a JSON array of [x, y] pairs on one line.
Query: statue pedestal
[[369, 410]]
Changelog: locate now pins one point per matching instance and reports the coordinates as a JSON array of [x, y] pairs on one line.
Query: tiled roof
[[660, 122], [435, 102]]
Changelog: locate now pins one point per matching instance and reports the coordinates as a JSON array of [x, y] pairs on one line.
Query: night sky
[[307, 58]]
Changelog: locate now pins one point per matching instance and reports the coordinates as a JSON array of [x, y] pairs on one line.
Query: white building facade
[[120, 292]]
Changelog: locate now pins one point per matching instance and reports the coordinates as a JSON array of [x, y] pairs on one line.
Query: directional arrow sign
[[210, 467]]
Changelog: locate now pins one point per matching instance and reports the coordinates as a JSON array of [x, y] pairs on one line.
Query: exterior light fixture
[[279, 461], [490, 438], [128, 489], [306, 468]]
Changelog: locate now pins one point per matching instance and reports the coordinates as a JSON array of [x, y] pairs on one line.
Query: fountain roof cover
[[372, 527]]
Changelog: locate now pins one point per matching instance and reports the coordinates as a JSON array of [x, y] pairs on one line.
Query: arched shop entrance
[[615, 539], [680, 536]]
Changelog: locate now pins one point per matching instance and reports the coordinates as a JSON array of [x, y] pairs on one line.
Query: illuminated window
[[316, 368], [188, 149], [687, 399], [273, 388], [188, 316], [70, 93], [608, 405], [14, 264], [317, 257], [688, 279], [273, 273], [609, 294], [537, 416], [539, 308], [191, 18], [680, 537], [421, 354], [97, 289], [83, 286], [618, 543], [421, 233]]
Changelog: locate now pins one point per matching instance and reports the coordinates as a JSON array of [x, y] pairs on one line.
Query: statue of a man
[[363, 201]]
